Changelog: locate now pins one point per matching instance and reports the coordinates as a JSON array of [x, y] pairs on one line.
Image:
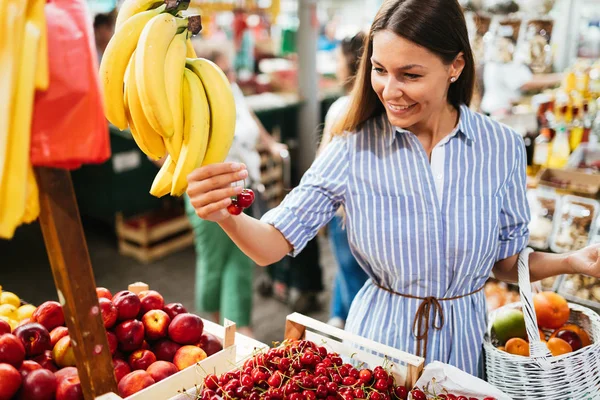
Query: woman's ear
[[457, 65]]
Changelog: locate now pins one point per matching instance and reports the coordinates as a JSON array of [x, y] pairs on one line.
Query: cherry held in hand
[[242, 201]]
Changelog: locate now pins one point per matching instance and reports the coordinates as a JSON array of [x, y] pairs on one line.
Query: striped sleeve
[[514, 216], [314, 202]]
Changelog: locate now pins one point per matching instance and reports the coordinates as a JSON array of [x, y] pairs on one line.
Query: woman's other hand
[[585, 261]]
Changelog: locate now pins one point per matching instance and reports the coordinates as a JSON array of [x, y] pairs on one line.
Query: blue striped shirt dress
[[421, 229]]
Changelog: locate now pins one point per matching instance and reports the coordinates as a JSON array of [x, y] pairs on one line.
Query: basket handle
[[537, 349]]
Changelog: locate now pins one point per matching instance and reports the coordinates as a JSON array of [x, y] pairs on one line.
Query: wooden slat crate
[[153, 235]]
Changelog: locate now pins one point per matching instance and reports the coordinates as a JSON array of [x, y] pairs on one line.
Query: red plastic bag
[[69, 127]]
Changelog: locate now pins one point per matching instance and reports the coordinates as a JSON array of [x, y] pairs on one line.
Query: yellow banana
[[195, 133], [148, 140], [114, 63], [191, 52], [164, 179], [14, 185], [129, 8], [174, 67], [150, 59], [222, 109]]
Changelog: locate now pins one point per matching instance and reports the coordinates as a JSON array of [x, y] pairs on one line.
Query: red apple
[[174, 309], [141, 359], [50, 314], [65, 373], [128, 305], [133, 382], [10, 381], [186, 329], [113, 342], [109, 312], [150, 300], [161, 370], [102, 292], [130, 335], [46, 361], [63, 353], [156, 324], [165, 349], [121, 368], [188, 355], [58, 333], [4, 327], [35, 338], [12, 350], [210, 344], [38, 385], [69, 389], [570, 337], [27, 367]]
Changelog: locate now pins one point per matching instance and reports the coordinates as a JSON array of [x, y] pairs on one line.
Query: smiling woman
[[417, 66]]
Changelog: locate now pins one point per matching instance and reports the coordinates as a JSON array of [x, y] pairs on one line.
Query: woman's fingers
[[214, 182], [206, 211], [215, 196], [211, 170]]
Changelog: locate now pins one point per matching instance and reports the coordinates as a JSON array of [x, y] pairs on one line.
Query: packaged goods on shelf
[[582, 287], [576, 223], [538, 33], [543, 206], [499, 294]]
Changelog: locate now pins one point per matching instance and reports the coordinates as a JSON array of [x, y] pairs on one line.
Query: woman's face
[[411, 82]]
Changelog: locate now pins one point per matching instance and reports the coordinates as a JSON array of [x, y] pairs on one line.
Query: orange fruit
[[518, 347], [551, 309], [558, 346], [501, 348], [583, 335]]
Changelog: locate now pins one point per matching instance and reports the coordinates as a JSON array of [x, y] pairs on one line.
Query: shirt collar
[[465, 123]]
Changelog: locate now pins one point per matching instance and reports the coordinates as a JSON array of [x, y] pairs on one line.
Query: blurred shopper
[[350, 277], [505, 79], [104, 28], [224, 275]]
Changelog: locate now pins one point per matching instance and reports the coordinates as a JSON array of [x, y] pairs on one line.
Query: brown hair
[[352, 49], [437, 25]]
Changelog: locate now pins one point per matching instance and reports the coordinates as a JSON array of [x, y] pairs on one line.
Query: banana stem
[[174, 6], [195, 24]]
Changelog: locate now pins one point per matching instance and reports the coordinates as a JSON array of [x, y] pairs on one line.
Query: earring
[[453, 79]]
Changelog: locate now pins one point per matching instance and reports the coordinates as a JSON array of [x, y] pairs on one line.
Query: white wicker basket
[[574, 375]]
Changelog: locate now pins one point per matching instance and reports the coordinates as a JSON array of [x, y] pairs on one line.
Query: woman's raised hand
[[210, 189]]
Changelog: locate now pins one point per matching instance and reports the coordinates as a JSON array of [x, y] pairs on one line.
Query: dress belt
[[421, 322]]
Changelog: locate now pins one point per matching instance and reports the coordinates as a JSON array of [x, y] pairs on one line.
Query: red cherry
[[332, 387], [246, 198], [307, 358], [309, 395], [211, 381], [247, 381], [322, 391], [275, 380], [381, 385], [365, 376], [418, 395], [258, 376], [284, 364], [462, 398], [379, 373], [451, 396], [234, 209], [401, 392], [375, 396], [349, 381]]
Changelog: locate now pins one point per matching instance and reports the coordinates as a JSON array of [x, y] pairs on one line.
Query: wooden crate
[[154, 235], [406, 368]]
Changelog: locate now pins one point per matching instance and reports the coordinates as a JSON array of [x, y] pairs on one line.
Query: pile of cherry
[[302, 370]]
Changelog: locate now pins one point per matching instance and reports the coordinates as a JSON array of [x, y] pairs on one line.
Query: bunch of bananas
[[177, 106], [23, 70]]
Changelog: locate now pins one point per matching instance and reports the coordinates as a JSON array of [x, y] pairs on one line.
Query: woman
[[224, 275], [350, 276], [434, 193]]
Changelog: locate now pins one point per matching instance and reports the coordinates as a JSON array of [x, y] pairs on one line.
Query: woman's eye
[[412, 76], [378, 70]]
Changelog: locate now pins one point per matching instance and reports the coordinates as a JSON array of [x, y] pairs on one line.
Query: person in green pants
[[224, 274]]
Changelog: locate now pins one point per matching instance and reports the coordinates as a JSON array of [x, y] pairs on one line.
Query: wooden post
[[74, 279]]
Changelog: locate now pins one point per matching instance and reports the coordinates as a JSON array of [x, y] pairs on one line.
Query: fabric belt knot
[[421, 323]]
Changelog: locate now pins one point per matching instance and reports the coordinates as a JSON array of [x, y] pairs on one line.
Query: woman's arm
[[541, 266], [260, 241]]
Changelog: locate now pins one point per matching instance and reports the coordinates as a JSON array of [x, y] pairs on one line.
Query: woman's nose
[[392, 89]]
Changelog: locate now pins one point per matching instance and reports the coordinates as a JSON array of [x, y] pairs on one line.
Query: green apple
[[509, 324]]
